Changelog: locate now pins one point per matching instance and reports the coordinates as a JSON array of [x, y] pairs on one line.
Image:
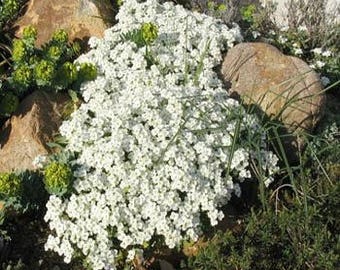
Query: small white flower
[[325, 81], [298, 51], [284, 28], [256, 34], [40, 161], [296, 45], [326, 53], [282, 39], [302, 28], [317, 51], [268, 181], [319, 64]]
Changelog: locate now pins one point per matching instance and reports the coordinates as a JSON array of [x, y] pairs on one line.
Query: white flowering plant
[[158, 142]]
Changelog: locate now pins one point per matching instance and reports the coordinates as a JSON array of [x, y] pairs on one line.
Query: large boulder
[[285, 88], [80, 18], [26, 134]]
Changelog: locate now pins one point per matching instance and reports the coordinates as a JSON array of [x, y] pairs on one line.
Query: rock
[[80, 18], [284, 87], [26, 134]]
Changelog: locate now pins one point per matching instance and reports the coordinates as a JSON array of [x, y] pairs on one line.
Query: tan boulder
[[80, 18], [26, 134], [284, 87]]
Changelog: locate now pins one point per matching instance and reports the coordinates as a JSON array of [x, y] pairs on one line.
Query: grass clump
[[295, 224]]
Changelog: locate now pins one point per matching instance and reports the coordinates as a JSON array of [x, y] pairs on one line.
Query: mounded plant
[[159, 145]]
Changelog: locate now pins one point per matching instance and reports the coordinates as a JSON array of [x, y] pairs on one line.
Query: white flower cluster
[[157, 145], [39, 161]]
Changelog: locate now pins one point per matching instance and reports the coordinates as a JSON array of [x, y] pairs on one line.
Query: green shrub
[[9, 10], [295, 238], [58, 178]]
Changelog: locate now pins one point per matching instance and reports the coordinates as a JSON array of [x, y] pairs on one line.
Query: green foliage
[[134, 36], [30, 32], [297, 226], [10, 185], [68, 73], [247, 13], [54, 52], [58, 178], [19, 52], [145, 35], [149, 32], [60, 37], [87, 72], [294, 238], [8, 10], [21, 193], [8, 103], [44, 72], [22, 76], [46, 68]]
